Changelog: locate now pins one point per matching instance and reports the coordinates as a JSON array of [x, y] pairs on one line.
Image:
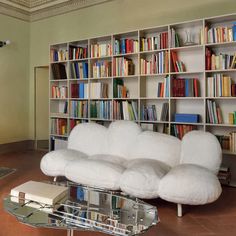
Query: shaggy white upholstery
[[53, 163], [201, 148], [143, 164], [96, 173], [141, 178], [189, 184], [122, 137], [157, 146], [90, 138]]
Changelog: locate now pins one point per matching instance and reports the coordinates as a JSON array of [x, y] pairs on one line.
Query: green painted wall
[[14, 80], [113, 17]]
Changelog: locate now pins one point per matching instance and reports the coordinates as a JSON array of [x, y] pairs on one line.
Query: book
[[39, 192], [188, 118]]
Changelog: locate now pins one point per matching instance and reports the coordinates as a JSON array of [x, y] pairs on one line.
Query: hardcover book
[[39, 192]]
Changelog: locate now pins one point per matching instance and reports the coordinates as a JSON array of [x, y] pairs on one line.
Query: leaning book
[[39, 192]]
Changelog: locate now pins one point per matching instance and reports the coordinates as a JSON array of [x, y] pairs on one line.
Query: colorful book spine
[[59, 126], [185, 87], [123, 66], [124, 46], [101, 50], [79, 109], [125, 110], [101, 69], [101, 109]]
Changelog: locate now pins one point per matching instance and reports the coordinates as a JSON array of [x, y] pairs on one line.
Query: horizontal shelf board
[[77, 118], [126, 54], [153, 75], [100, 99], [221, 98], [59, 135], [124, 99], [187, 98], [101, 78], [126, 76], [228, 152], [97, 58], [154, 121], [186, 123], [154, 98], [79, 99], [56, 62], [78, 79], [58, 115], [186, 72], [223, 44], [153, 51], [220, 125], [216, 71], [99, 119], [185, 48], [58, 80], [58, 99]]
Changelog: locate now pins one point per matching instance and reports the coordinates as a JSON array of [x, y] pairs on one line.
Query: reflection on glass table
[[87, 208]]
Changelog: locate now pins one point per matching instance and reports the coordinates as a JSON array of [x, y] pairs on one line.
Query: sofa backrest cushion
[[201, 148], [158, 146], [122, 136], [89, 138]]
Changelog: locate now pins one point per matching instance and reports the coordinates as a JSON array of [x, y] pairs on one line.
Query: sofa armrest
[[54, 162]]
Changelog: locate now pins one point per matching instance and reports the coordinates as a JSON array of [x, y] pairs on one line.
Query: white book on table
[[39, 192]]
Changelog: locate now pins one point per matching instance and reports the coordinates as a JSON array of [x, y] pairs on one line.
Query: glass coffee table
[[86, 208]]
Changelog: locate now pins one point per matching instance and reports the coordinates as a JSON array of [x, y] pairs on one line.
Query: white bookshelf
[[142, 87]]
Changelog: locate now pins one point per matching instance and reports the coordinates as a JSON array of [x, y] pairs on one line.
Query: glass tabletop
[[86, 208]]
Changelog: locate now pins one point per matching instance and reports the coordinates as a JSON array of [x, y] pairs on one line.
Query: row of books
[[123, 66], [58, 126], [124, 110], [59, 91], [98, 90], [185, 87], [232, 118], [220, 85], [220, 61], [123, 46], [160, 41], [102, 69], [175, 41], [214, 114], [58, 54], [180, 130], [148, 112], [177, 65], [101, 109], [228, 142], [158, 64], [224, 175], [59, 71], [79, 90], [79, 109], [79, 70], [101, 50], [74, 122], [219, 34], [163, 87], [77, 52], [119, 89]]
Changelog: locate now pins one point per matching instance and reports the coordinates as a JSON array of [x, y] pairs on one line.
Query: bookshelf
[[149, 75]]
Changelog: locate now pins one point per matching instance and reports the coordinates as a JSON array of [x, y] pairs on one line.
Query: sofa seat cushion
[[190, 184], [53, 163], [142, 176], [109, 158], [95, 173]]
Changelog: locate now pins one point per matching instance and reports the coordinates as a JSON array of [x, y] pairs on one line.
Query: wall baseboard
[[17, 146]]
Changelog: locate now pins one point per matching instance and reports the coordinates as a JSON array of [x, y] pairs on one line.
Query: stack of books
[[224, 175]]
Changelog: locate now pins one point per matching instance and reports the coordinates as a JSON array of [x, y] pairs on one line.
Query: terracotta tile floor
[[218, 218]]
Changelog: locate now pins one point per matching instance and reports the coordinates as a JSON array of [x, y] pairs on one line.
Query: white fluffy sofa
[[143, 164]]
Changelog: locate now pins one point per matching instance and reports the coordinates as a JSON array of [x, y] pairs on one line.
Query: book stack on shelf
[[214, 114], [59, 126], [149, 113], [187, 87], [123, 66], [59, 71], [232, 118], [224, 175], [101, 110], [119, 89], [101, 69], [58, 55], [228, 142], [163, 88], [98, 90], [77, 52], [124, 46], [79, 70], [180, 130], [177, 65], [59, 91], [159, 41], [79, 109], [79, 90], [101, 50]]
